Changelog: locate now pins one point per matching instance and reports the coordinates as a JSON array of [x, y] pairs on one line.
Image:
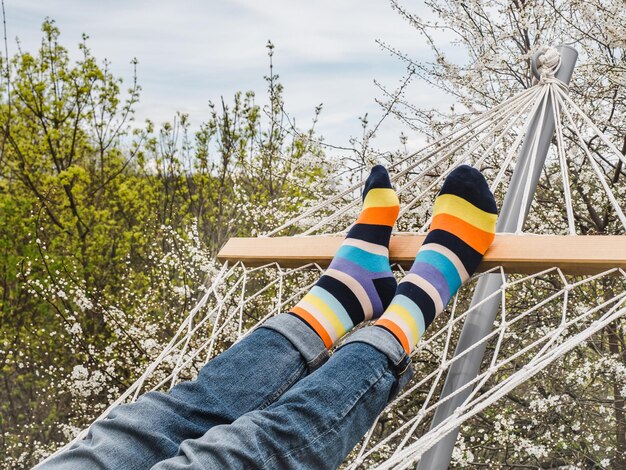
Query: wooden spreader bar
[[527, 254]]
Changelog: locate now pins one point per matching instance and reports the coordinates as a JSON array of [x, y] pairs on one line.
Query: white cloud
[[193, 51]]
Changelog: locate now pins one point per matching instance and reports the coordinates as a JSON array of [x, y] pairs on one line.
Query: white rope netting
[[542, 317]]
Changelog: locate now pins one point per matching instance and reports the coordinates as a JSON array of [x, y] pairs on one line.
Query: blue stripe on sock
[[444, 265], [413, 309], [335, 306], [365, 259]]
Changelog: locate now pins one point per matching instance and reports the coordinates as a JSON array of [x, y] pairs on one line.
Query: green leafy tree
[[107, 233]]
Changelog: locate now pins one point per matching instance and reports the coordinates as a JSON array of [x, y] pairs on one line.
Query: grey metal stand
[[480, 322]]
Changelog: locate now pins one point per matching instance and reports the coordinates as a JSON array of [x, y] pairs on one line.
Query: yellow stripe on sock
[[465, 210], [315, 324], [321, 318], [408, 319], [325, 310], [381, 197], [402, 324]]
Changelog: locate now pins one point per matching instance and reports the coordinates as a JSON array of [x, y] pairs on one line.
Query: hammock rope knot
[[547, 62]]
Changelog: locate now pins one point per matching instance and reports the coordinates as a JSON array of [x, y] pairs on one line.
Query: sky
[[190, 52]]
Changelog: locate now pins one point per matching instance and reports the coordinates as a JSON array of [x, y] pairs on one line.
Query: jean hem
[[386, 343], [303, 338]]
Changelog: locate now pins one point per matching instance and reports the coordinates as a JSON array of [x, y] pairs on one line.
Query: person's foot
[[358, 285], [463, 227]]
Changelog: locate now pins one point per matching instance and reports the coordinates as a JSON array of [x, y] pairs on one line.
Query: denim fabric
[[254, 406], [387, 344], [302, 337], [250, 375], [317, 422]]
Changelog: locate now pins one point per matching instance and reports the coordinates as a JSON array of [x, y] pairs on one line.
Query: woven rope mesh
[[543, 316]]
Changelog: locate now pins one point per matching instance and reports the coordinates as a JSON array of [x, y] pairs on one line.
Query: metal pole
[[480, 322]]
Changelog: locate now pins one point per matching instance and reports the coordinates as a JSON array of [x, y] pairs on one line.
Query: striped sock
[[358, 285], [463, 227]]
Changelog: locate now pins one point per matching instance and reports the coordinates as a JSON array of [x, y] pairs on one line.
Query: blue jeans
[[264, 403]]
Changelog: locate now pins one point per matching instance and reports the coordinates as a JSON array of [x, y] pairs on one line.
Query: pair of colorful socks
[[359, 285]]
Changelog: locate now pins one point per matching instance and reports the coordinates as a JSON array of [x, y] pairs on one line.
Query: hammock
[[543, 269]]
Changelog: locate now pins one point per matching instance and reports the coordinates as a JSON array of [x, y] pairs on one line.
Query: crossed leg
[[319, 420], [253, 373], [273, 413]]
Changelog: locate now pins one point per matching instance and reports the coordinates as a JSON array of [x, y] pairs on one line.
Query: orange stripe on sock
[[317, 326], [474, 237], [379, 216], [397, 332]]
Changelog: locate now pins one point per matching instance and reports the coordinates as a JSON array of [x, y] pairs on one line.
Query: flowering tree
[[571, 415]]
